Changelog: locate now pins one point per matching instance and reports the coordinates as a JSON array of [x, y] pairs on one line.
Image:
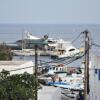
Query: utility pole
[[86, 72], [36, 85], [36, 43]]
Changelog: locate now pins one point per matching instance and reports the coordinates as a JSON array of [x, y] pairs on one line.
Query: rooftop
[[17, 67], [10, 63]]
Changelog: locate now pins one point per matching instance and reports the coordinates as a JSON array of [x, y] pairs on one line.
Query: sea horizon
[[12, 32]]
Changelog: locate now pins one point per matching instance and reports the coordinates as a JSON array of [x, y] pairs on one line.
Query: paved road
[[63, 97]]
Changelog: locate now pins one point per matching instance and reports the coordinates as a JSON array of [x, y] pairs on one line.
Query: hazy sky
[[50, 11]]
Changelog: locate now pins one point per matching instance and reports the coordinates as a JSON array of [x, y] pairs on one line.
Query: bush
[[17, 87]]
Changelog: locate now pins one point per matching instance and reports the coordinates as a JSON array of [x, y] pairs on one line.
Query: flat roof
[[17, 67], [10, 63]]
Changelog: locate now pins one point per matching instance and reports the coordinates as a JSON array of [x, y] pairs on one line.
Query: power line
[[96, 45], [68, 62], [19, 69], [63, 63], [76, 38], [55, 61]]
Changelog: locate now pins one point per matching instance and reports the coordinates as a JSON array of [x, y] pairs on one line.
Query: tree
[[5, 52], [16, 87]]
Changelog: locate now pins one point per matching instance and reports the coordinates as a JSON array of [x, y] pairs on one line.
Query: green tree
[[5, 52], [16, 87]]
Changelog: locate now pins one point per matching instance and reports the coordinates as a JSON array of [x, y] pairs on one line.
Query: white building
[[95, 78], [57, 68], [20, 66]]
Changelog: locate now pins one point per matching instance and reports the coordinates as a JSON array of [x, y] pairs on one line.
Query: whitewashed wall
[[94, 78]]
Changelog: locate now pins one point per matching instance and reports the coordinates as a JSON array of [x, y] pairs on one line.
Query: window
[[56, 69], [71, 49], [99, 74], [53, 68], [96, 71]]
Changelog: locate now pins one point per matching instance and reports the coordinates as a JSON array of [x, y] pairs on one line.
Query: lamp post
[[36, 43]]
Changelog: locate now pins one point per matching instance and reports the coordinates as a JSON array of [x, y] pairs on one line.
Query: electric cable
[[76, 38]]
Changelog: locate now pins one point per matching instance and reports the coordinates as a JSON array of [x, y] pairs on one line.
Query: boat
[[26, 48], [69, 93], [29, 36], [75, 86], [57, 69], [66, 85], [57, 83], [57, 48], [60, 48], [64, 49], [62, 80]]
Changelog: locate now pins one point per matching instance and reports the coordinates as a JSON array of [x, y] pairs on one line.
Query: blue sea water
[[12, 32]]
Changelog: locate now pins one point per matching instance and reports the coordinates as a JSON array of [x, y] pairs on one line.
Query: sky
[[50, 11]]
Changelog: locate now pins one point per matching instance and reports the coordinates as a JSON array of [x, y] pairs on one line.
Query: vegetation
[[5, 52], [16, 87]]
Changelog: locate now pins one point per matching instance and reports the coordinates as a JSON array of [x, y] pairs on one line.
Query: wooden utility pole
[[86, 72], [36, 43], [36, 84]]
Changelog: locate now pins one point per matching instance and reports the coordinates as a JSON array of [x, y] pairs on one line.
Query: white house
[[57, 68], [95, 78]]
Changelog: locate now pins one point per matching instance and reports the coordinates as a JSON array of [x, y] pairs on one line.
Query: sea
[[9, 33]]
